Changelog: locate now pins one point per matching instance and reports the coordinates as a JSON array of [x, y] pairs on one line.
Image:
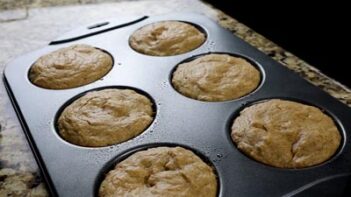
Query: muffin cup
[[111, 164], [301, 101], [248, 59], [70, 101]]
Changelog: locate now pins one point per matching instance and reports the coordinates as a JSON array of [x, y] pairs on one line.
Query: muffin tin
[[203, 127]]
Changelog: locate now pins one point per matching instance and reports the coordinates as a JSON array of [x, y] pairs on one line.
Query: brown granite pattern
[[288, 59], [27, 29]]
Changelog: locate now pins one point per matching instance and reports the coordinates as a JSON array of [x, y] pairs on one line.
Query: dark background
[[314, 31]]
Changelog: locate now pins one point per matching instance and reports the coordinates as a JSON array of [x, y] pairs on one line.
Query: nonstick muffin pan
[[203, 127]]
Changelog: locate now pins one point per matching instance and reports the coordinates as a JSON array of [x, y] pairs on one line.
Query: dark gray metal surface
[[202, 126]]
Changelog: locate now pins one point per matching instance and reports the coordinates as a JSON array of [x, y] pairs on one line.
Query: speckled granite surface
[[13, 4], [19, 174]]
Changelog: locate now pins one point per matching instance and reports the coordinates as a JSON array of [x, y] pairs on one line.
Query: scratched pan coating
[[204, 127]]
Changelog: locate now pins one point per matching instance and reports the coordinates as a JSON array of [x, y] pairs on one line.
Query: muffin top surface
[[159, 172], [166, 38], [70, 67], [105, 117], [216, 77], [286, 134]]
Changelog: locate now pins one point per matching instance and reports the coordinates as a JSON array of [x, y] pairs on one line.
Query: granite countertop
[[28, 26]]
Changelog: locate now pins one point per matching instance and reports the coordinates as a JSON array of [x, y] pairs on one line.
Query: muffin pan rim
[[325, 111], [57, 184], [71, 36]]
